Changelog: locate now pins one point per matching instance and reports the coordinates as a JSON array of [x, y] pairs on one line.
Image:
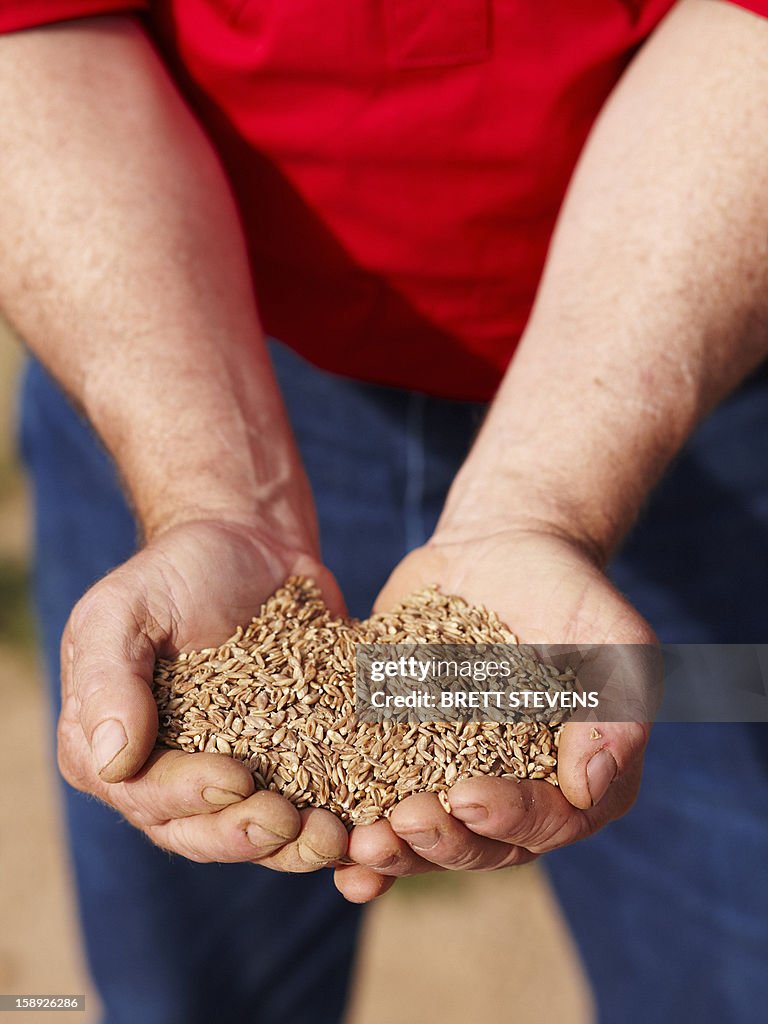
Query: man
[[398, 169]]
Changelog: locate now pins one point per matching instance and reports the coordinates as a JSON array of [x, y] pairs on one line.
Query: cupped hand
[[188, 588], [549, 590]]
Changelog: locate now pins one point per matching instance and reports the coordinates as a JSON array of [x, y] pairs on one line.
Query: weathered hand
[[186, 589], [548, 590]]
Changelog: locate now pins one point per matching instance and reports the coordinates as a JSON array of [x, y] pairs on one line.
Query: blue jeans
[[669, 906]]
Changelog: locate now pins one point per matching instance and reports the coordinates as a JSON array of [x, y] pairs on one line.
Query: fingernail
[[221, 797], [423, 840], [260, 836], [470, 813], [310, 856], [106, 743], [601, 771], [386, 863]]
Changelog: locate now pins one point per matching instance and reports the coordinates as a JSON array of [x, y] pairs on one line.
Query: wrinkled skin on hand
[[188, 588], [548, 590]]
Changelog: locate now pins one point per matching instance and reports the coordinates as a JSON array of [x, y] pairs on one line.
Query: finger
[[109, 665], [379, 848], [533, 815], [173, 784], [595, 758], [245, 831], [321, 842], [359, 884], [442, 839]]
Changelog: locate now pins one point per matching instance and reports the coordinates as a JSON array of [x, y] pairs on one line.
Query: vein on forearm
[[123, 266], [654, 301]]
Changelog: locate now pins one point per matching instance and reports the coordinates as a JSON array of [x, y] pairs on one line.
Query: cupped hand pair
[[190, 585]]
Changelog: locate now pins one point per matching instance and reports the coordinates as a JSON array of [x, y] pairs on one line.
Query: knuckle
[[512, 857], [131, 808], [157, 838], [639, 733], [467, 857], [519, 855], [634, 740], [552, 832], [197, 858], [168, 838]]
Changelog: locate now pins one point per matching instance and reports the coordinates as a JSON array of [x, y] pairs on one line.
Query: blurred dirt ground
[[450, 949]]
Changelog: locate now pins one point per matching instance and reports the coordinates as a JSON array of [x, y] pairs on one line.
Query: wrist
[[282, 509], [484, 503], [213, 445], [579, 471], [290, 533]]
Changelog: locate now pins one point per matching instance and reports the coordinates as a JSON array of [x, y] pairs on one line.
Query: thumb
[[107, 668], [594, 757], [598, 757]]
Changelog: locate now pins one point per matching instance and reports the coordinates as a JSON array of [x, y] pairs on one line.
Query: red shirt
[[399, 164]]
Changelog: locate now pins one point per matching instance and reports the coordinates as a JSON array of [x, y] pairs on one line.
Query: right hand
[[190, 587]]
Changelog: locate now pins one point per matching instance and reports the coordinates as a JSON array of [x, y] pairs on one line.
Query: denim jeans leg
[[168, 941], [670, 904]]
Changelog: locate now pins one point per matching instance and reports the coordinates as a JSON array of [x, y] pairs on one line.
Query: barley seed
[[279, 695]]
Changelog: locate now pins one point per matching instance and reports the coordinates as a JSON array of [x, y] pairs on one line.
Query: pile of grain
[[280, 696]]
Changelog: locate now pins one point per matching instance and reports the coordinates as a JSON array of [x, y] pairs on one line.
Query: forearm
[[123, 266], [654, 302]]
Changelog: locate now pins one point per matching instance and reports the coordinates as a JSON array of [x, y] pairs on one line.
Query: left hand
[[548, 589]]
